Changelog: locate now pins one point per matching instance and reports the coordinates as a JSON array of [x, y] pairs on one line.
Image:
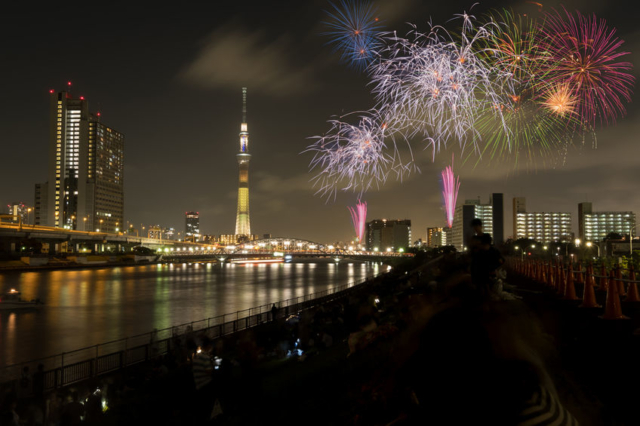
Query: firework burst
[[356, 157], [582, 54], [354, 31], [440, 83]]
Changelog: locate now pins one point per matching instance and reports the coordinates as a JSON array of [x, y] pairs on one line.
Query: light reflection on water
[[91, 306]]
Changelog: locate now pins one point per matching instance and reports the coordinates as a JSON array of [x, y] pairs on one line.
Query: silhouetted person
[[473, 244], [274, 312], [484, 263]]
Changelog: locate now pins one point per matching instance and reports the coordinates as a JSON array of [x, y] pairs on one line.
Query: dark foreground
[[427, 352]]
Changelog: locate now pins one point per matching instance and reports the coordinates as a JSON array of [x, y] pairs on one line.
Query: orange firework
[[561, 101]]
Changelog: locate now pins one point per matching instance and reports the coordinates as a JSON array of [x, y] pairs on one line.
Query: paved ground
[[598, 363]]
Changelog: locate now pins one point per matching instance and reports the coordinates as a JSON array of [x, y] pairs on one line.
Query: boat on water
[[12, 300]]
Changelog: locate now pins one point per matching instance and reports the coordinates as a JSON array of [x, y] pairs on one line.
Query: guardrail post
[[62, 371]]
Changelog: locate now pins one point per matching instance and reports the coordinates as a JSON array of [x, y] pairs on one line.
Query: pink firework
[[450, 185], [582, 54], [359, 218]]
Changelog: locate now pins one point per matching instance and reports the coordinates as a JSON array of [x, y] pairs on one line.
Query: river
[[85, 307]]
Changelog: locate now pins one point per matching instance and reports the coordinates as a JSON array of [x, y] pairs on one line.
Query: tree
[[612, 236]]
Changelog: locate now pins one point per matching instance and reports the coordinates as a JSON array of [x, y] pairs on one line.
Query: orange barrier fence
[[562, 278]]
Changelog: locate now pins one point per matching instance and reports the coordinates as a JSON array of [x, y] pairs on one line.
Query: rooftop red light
[[51, 91]]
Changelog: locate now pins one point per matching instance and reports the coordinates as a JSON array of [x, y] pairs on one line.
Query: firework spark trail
[[354, 31], [359, 218], [450, 187], [582, 54]]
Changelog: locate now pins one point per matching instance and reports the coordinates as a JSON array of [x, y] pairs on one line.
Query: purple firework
[[582, 54], [359, 218], [450, 185]]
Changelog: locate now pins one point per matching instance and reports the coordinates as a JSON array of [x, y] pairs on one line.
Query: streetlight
[[631, 228], [590, 244], [84, 223]]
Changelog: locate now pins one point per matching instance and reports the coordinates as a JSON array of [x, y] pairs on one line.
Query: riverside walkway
[[414, 348]]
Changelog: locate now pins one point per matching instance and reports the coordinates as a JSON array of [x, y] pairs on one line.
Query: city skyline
[[178, 110]]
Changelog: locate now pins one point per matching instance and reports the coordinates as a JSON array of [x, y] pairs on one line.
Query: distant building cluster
[[543, 227]]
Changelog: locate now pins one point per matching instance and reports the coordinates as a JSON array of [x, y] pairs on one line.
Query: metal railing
[[82, 364]]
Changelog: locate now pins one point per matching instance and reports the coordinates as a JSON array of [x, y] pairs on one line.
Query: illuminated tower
[[243, 225]]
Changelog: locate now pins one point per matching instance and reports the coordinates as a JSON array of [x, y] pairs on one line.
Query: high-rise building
[[86, 170], [595, 226], [243, 224], [497, 203], [519, 206], [461, 230], [544, 227], [383, 234], [192, 226]]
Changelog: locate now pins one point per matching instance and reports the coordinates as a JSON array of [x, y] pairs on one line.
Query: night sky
[[170, 78]]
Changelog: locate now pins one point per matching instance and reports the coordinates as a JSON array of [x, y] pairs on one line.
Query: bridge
[[18, 238]]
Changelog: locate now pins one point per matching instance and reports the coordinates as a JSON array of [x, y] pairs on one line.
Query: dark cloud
[[234, 56]]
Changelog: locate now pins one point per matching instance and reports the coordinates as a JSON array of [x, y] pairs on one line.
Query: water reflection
[[86, 307]]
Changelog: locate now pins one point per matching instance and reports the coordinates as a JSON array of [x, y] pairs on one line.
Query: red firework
[[582, 55]]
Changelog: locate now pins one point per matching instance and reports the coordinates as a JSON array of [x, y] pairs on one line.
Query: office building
[[384, 235], [192, 226], [461, 230], [543, 227], [243, 224], [85, 186], [595, 226]]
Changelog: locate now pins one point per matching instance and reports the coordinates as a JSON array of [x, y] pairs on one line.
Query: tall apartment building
[[85, 186], [436, 237], [384, 234], [519, 206], [461, 230], [594, 226], [544, 227]]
